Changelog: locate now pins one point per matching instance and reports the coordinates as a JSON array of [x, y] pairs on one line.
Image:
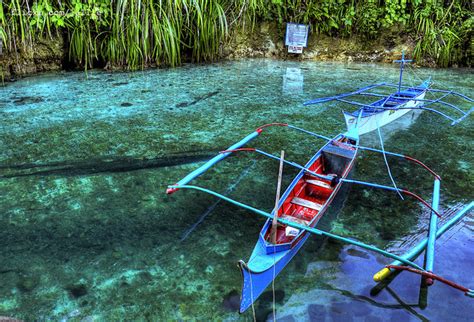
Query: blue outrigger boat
[[306, 201], [389, 107]]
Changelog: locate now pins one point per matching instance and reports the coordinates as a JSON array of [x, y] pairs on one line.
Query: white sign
[[296, 35], [295, 49]]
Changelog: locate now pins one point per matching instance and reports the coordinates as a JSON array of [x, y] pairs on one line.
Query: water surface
[[88, 233]]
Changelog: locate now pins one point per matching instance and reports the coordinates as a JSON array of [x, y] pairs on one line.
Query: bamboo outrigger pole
[[277, 200]]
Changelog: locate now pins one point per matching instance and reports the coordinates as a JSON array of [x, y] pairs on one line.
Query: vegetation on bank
[[137, 33]]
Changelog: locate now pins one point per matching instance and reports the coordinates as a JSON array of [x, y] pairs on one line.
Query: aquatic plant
[[136, 33]]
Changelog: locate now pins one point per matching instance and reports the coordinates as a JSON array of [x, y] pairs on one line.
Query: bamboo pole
[[277, 200]]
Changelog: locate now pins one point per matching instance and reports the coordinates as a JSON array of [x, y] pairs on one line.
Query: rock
[[317, 312], [119, 83], [146, 276], [77, 290], [27, 283], [8, 319], [357, 253], [268, 296], [231, 301], [286, 318], [23, 100], [46, 54]]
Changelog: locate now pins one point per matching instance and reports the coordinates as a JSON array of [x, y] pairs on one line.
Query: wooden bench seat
[[295, 220], [320, 184], [306, 203]]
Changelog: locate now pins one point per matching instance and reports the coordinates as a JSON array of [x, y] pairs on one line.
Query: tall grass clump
[[126, 33], [137, 33]]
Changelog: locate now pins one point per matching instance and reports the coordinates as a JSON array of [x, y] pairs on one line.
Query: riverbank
[[263, 41]]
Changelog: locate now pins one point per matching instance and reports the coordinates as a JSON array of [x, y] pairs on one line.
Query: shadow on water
[[107, 164]]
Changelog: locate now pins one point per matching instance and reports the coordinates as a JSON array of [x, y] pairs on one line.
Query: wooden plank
[[277, 199], [306, 203], [319, 183], [296, 220]]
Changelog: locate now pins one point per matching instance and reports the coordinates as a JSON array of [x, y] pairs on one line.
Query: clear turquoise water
[[88, 233]]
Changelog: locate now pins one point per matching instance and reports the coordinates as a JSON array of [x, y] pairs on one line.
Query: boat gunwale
[[366, 114]]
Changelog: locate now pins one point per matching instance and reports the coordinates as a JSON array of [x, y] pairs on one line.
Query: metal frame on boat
[[305, 201], [390, 107]]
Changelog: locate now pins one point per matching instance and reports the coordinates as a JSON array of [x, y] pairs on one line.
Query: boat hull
[[268, 260], [371, 122], [255, 283]]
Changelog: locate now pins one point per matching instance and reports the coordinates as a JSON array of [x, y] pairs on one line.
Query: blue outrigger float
[[306, 201], [389, 107]]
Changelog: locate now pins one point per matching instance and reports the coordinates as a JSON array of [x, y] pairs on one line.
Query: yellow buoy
[[382, 274]]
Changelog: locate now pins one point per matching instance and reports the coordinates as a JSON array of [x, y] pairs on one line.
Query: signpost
[[296, 37]]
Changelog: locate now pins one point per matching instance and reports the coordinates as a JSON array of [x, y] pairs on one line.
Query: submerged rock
[[317, 312], [77, 290], [197, 99], [231, 301], [23, 100], [27, 283], [8, 319], [357, 253], [268, 296]]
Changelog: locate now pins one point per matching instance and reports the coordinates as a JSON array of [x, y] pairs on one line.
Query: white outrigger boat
[[388, 108]]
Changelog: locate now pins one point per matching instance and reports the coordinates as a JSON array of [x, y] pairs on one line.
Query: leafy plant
[[136, 33]]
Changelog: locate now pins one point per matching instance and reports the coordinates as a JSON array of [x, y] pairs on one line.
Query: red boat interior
[[305, 203]]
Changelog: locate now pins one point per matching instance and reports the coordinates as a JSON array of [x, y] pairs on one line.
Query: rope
[[412, 69], [385, 159], [467, 292]]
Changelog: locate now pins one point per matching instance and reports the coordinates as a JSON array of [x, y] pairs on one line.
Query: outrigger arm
[[454, 121], [418, 249], [332, 177], [237, 147], [393, 154], [336, 97], [302, 227], [363, 92], [406, 259]]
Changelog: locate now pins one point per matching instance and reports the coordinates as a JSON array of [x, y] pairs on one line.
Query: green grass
[[136, 33]]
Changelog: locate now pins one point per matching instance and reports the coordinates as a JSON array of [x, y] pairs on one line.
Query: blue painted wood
[[309, 132], [418, 249], [331, 98], [402, 62], [294, 164], [430, 248], [221, 156]]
